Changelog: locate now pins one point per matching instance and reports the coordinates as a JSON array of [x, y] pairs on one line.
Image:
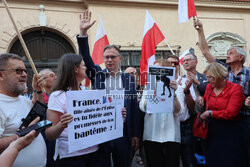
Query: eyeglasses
[[110, 57], [18, 71], [186, 60], [176, 63]]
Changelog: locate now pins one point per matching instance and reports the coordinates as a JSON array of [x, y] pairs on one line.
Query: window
[[132, 58]]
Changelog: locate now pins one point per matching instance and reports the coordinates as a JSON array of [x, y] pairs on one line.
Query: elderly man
[[113, 79], [199, 83], [13, 107], [186, 95], [140, 157], [199, 80], [237, 73], [133, 72], [50, 78]]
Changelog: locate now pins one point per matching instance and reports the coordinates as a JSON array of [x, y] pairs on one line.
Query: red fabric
[[191, 9], [200, 128], [228, 103], [97, 54], [151, 39], [46, 98]]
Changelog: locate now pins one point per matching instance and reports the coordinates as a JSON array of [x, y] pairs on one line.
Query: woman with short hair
[[224, 100]]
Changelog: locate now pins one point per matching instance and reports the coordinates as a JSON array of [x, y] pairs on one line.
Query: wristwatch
[[210, 113], [37, 91], [186, 92]]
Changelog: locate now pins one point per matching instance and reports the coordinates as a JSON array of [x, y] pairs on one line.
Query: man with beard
[[13, 107]]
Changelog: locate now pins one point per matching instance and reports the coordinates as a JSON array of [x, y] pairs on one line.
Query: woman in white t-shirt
[[71, 71]]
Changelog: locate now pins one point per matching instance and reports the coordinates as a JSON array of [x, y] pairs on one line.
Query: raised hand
[[198, 25], [38, 82], [188, 84], [85, 23], [193, 78]]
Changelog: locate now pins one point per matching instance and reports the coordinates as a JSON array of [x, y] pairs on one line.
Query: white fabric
[[57, 102], [151, 60], [100, 30], [165, 127], [12, 110], [183, 11], [183, 115], [149, 23], [183, 55], [113, 83], [160, 127]]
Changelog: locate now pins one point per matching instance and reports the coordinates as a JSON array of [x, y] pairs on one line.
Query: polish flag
[[186, 10], [183, 55], [151, 38], [101, 40]]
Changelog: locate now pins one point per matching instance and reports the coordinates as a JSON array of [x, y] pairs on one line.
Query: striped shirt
[[242, 78]]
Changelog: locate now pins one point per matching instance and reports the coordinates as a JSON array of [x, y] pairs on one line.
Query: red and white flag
[[183, 55], [186, 10], [101, 40], [151, 38]]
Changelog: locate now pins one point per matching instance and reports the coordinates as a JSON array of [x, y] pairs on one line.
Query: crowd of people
[[220, 95]]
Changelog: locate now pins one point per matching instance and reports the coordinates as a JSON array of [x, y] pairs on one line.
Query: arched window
[[220, 42], [45, 48]]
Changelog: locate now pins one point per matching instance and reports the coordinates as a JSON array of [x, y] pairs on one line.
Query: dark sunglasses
[[176, 63], [18, 71]]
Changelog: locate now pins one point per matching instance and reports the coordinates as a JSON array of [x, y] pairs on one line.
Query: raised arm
[[202, 41], [37, 83], [83, 44]]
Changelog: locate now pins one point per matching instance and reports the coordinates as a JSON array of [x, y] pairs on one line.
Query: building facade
[[50, 27]]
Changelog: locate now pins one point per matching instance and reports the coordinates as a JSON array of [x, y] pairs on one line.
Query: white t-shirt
[[57, 102], [12, 110]]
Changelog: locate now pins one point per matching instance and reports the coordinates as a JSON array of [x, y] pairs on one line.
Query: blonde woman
[[224, 100]]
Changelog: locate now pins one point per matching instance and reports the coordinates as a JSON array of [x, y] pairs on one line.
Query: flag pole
[[21, 40], [169, 46]]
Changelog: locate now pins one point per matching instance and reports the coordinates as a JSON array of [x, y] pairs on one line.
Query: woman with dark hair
[[70, 73]]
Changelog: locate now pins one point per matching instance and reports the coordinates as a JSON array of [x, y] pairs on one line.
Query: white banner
[[159, 94], [97, 118]]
